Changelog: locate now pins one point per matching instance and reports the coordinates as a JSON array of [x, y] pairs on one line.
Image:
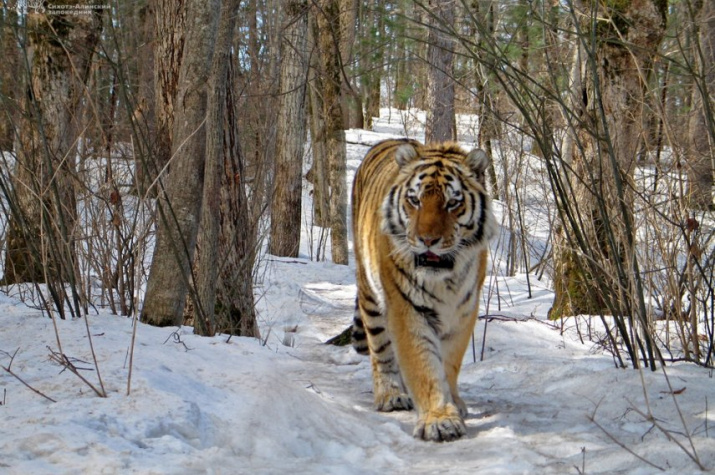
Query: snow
[[541, 400]]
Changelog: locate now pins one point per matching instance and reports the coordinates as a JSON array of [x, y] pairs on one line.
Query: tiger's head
[[438, 205]]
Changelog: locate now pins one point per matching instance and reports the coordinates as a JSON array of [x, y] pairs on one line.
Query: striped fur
[[421, 224]]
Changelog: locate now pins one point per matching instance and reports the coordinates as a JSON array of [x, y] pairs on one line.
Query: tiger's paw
[[393, 402], [441, 426]]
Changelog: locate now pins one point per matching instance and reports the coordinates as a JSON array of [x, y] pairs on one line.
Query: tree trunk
[[41, 229], [207, 251], [440, 87], [318, 173], [169, 42], [9, 72], [290, 136], [334, 133], [373, 59], [489, 125], [701, 130], [146, 137], [601, 278], [180, 205], [235, 308], [351, 101]]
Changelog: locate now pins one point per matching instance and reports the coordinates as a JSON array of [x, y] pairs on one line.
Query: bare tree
[[440, 56], [290, 134], [41, 236], [701, 131], [8, 75], [333, 136], [180, 205], [207, 251], [169, 43], [600, 219]]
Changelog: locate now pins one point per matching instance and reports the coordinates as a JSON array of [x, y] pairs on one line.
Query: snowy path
[[201, 405]]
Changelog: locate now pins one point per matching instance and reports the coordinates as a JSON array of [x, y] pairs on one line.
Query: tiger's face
[[438, 205]]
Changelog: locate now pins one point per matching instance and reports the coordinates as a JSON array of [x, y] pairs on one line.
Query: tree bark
[[290, 135], [600, 278], [373, 59], [169, 42], [701, 129], [235, 308], [334, 133], [41, 229], [351, 100], [440, 87], [8, 77], [180, 205], [207, 251]]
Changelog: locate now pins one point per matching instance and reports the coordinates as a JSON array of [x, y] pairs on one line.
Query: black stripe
[[368, 298], [375, 331], [466, 298], [372, 313], [385, 362], [432, 347], [413, 282], [429, 314], [383, 347]]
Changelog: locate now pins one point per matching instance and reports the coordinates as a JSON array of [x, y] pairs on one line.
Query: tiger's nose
[[428, 240]]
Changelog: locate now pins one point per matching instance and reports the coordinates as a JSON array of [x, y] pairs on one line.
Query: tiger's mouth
[[435, 261]]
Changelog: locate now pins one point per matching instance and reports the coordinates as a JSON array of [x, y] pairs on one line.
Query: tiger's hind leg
[[370, 326]]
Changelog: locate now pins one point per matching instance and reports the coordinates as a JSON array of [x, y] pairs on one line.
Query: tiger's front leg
[[419, 351]]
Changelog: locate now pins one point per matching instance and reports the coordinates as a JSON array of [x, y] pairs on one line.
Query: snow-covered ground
[[540, 400]]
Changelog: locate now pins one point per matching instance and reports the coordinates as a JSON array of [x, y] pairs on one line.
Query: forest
[[154, 151], [185, 166]]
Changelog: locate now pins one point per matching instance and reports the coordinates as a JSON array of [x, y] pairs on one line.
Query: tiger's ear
[[477, 161], [405, 154]]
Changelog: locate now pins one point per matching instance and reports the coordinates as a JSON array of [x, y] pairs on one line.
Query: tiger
[[421, 222]]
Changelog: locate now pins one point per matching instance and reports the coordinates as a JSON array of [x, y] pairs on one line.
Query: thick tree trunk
[[41, 230], [145, 137], [169, 43], [9, 72], [599, 277], [440, 87], [207, 251], [701, 130], [235, 307], [180, 205], [290, 136], [334, 133]]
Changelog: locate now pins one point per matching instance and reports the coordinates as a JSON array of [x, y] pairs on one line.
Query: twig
[[65, 362], [592, 418], [12, 373], [649, 417], [177, 339], [582, 469]]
